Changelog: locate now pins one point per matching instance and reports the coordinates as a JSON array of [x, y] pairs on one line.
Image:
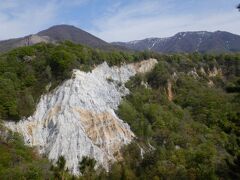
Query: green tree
[[86, 165], [59, 170], [60, 61]]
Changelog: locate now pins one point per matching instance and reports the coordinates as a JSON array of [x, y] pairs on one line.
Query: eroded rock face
[[77, 119], [169, 90], [33, 39]]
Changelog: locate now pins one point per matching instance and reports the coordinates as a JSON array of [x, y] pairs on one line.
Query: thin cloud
[[159, 19], [20, 18], [118, 20]]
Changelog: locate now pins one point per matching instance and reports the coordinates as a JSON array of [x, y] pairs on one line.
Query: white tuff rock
[[77, 119]]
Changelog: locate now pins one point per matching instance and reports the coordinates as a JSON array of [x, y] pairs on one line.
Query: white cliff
[[77, 119]]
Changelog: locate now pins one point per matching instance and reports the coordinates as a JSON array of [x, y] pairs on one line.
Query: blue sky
[[119, 20]]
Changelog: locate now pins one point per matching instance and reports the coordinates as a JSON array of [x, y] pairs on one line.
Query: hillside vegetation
[[20, 162], [190, 133], [25, 72], [196, 135]]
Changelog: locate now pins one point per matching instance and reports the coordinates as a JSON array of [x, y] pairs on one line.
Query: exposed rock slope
[[77, 119], [7, 45]]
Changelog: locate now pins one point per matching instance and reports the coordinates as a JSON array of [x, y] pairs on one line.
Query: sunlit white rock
[[77, 119]]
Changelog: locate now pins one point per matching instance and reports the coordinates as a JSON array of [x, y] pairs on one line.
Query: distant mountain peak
[[190, 41], [61, 27], [68, 32], [58, 33], [201, 33]]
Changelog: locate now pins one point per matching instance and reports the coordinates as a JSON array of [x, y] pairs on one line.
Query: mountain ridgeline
[[188, 42], [183, 42], [65, 32], [57, 34]]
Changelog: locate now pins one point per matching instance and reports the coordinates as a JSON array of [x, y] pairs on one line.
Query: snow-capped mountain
[[199, 41]]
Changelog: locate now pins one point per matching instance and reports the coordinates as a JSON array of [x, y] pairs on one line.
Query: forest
[[185, 113]]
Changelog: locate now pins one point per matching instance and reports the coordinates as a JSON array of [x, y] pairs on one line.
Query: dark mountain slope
[[71, 33], [57, 34], [200, 41]]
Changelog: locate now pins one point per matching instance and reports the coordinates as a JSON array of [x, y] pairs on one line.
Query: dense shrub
[[20, 162]]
